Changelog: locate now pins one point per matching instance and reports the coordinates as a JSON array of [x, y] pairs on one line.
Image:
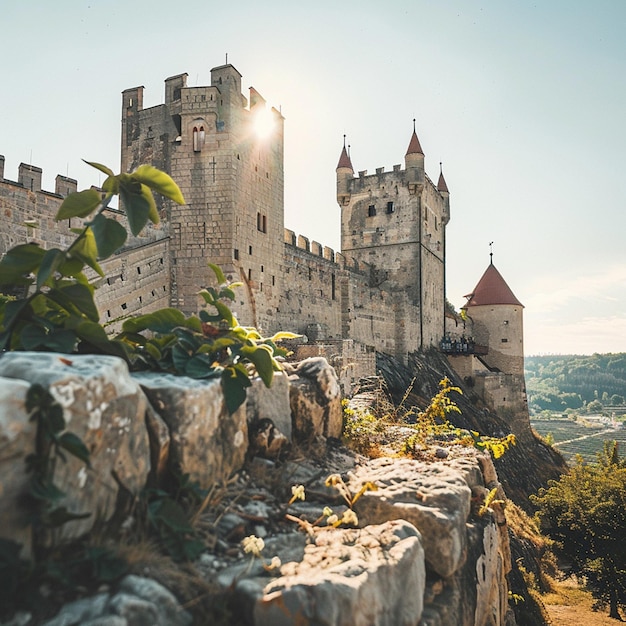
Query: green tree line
[[560, 382]]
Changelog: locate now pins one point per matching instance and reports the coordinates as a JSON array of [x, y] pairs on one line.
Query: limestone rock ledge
[[421, 554]]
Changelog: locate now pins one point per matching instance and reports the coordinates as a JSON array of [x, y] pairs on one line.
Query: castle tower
[[497, 317], [208, 139], [393, 223]]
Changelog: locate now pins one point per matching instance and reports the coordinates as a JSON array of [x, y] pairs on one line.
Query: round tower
[[497, 317], [345, 173]]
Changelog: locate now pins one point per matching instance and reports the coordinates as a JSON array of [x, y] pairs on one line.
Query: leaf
[[17, 310], [159, 181], [225, 312], [284, 335], [234, 384], [179, 358], [199, 366], [71, 267], [103, 168], [261, 356], [109, 234], [219, 275], [161, 321], [79, 204], [50, 263], [76, 298], [85, 248], [74, 445], [35, 337], [139, 204], [20, 260], [48, 492]]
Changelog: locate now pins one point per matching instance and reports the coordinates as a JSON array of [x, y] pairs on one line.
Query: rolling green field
[[572, 438]]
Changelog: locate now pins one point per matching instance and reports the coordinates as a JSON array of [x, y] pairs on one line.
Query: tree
[[585, 513]]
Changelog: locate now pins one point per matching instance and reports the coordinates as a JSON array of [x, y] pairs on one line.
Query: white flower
[[349, 517], [297, 493], [332, 519], [253, 545]]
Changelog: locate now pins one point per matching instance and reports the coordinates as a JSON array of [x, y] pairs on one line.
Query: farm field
[[572, 438]]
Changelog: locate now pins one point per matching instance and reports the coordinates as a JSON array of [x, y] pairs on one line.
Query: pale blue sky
[[522, 101]]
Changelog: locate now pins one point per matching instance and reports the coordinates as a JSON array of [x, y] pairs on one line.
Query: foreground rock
[[360, 577], [422, 552], [103, 406]]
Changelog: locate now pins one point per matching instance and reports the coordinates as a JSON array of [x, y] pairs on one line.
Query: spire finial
[[227, 58], [440, 167], [491, 252], [349, 150], [344, 140], [413, 124]]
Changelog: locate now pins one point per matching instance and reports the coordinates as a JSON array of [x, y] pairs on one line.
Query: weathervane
[[491, 252]]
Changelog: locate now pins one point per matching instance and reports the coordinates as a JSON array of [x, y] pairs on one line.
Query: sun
[[263, 123]]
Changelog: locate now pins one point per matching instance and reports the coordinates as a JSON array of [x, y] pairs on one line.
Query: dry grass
[[569, 604]]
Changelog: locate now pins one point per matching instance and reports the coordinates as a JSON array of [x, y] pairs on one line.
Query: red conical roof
[[441, 185], [344, 160], [492, 289], [414, 145]]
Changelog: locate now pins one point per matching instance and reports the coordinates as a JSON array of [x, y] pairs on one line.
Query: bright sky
[[522, 101]]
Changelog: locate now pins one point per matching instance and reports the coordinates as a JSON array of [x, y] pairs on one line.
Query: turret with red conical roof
[[497, 318], [414, 163], [345, 173]]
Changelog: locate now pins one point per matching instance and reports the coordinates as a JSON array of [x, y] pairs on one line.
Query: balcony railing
[[461, 346]]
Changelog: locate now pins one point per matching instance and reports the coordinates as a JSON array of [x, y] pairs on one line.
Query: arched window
[[198, 138]]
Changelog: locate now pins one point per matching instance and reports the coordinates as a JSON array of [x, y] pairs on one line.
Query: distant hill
[[559, 382]]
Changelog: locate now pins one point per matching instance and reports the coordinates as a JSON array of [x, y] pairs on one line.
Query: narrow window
[[249, 274], [236, 254], [249, 249], [371, 210], [198, 138], [332, 287], [390, 207], [273, 280], [505, 341]]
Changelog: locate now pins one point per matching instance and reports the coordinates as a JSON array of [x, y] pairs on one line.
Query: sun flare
[[264, 123]]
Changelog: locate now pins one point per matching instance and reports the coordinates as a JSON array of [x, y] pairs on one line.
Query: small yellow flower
[[327, 512], [349, 517], [253, 545], [333, 480], [297, 493], [332, 520]]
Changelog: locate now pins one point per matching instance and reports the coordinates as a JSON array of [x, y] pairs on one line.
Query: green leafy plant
[[56, 311], [404, 429], [209, 345]]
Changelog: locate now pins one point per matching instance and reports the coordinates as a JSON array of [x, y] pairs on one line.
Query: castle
[[385, 290]]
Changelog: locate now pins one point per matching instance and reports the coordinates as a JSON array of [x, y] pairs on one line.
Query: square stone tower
[[207, 138], [396, 222]]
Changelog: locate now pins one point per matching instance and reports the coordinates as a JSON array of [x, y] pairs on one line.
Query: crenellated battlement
[[29, 177]]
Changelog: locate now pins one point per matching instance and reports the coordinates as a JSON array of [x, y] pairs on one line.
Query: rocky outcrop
[[416, 552]]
